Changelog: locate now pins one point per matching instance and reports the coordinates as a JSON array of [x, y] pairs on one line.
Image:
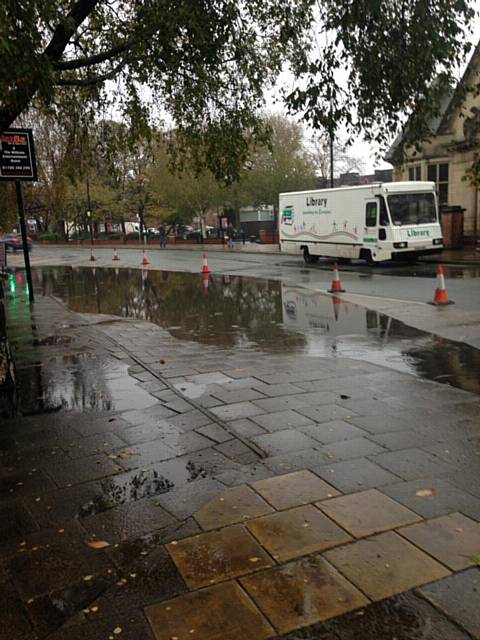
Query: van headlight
[[400, 245], [438, 241]]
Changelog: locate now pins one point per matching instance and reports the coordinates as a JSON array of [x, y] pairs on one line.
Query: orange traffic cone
[[205, 268], [115, 255], [145, 260], [205, 280], [440, 298], [92, 257], [336, 284]]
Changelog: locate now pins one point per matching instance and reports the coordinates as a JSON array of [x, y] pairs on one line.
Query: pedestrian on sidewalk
[[231, 236], [163, 237], [243, 235]]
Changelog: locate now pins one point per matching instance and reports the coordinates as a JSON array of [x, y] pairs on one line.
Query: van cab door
[[370, 235]]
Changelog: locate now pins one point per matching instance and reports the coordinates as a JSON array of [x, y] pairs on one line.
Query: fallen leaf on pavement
[[117, 630], [475, 559], [87, 578], [98, 544], [424, 493]]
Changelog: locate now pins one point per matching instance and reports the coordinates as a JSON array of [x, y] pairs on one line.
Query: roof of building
[[451, 100]]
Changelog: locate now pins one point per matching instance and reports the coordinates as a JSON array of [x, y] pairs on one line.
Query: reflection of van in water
[[375, 222]]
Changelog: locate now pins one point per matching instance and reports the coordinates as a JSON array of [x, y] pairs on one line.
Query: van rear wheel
[[308, 257]]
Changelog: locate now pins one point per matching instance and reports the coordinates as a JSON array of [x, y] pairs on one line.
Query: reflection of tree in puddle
[[63, 382], [235, 310], [142, 484]]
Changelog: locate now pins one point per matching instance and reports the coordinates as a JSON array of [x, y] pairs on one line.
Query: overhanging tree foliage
[[206, 64]]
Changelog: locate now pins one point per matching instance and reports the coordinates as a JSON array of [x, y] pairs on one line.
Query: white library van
[[375, 222]]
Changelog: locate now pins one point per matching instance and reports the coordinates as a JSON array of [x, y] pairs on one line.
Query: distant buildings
[[451, 150]]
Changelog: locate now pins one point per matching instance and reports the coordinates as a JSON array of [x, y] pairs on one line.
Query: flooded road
[[250, 313]]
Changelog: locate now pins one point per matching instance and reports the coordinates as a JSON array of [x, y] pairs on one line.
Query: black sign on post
[[17, 163]]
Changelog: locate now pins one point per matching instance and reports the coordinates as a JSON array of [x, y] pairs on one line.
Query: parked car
[[13, 242]]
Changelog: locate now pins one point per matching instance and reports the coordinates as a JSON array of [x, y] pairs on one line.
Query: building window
[[415, 173], [438, 173]]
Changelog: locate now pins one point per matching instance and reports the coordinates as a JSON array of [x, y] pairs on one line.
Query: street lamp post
[[89, 217]]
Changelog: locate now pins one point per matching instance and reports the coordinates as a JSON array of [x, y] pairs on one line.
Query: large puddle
[[248, 313]]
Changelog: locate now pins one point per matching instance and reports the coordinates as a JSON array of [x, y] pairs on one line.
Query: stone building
[[450, 151]]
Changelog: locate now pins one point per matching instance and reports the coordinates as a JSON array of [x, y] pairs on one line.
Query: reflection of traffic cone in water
[[144, 275], [117, 271], [336, 301], [441, 298], [336, 284], [92, 257], [205, 268], [115, 255], [205, 280], [145, 259], [94, 271]]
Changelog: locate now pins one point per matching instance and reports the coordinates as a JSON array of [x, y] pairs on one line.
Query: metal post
[[89, 211], [23, 228], [331, 157]]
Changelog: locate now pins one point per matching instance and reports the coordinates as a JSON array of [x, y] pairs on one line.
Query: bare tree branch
[[89, 81], [88, 61]]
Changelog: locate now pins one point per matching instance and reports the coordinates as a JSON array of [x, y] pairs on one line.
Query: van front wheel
[[366, 254], [308, 257]]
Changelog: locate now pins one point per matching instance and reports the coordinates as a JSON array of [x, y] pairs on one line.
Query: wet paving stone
[[189, 421], [153, 578], [294, 489], [217, 556], [16, 523], [453, 540], [233, 505], [411, 464], [403, 617], [62, 606], [141, 433], [15, 622], [285, 441], [214, 432], [237, 411], [127, 521], [458, 597], [380, 424], [276, 390], [142, 455], [326, 413], [350, 449], [295, 461], [45, 569], [27, 483], [334, 431], [432, 497], [363, 514], [238, 451], [281, 420], [302, 592], [297, 532], [131, 626], [354, 475], [385, 565], [188, 499], [223, 611], [246, 428], [83, 470], [92, 445]]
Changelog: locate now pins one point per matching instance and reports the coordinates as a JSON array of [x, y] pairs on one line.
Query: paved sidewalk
[[166, 489]]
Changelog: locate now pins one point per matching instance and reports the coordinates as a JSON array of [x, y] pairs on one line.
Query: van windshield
[[412, 208]]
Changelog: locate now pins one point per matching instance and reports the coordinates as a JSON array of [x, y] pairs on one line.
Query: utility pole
[[23, 229], [89, 211]]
